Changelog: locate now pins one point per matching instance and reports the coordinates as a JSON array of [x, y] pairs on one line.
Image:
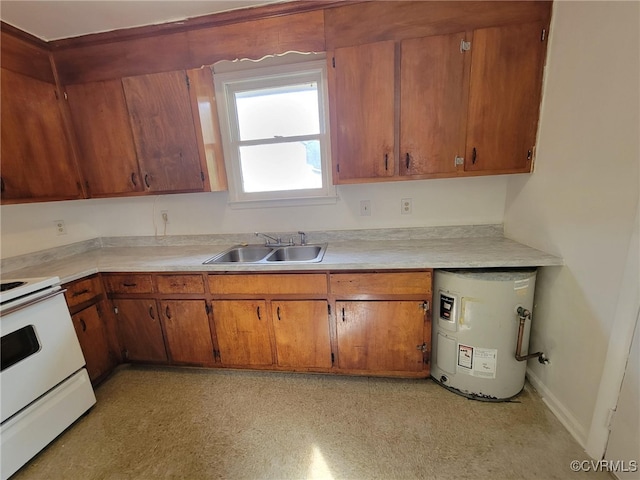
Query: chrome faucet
[[303, 238], [276, 241]]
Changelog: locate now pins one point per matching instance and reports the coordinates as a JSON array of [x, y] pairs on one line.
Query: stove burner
[[10, 285]]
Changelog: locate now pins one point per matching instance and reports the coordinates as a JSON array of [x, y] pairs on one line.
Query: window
[[274, 124]]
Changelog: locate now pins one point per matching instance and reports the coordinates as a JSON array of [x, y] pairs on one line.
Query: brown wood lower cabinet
[[242, 332], [187, 332], [381, 336], [361, 323], [301, 331], [94, 341], [140, 330]]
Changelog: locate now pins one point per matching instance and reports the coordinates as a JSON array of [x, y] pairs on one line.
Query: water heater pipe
[[523, 315]]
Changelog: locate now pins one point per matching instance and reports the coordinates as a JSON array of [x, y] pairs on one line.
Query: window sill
[[283, 202]]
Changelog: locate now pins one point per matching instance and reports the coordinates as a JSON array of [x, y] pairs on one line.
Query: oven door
[[39, 350]]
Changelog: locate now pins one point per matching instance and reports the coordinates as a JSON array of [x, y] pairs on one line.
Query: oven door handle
[[31, 302]]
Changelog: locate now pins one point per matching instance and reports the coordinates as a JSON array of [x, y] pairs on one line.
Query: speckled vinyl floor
[[156, 423]]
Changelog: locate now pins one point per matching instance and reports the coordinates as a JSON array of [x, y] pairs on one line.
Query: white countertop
[[378, 254]]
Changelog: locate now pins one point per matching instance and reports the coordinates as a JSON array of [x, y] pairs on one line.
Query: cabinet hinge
[[458, 161], [115, 310], [333, 62], [66, 97], [543, 35], [207, 308], [464, 46], [425, 305]]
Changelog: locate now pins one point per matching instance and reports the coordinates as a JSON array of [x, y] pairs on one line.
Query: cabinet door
[[164, 131], [140, 331], [432, 104], [92, 334], [383, 336], [363, 123], [504, 98], [242, 331], [301, 331], [37, 161], [186, 328], [107, 155]]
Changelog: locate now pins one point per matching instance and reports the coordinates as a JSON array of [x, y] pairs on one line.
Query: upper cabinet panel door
[[363, 80], [504, 97], [164, 132], [37, 160], [432, 104], [107, 153]]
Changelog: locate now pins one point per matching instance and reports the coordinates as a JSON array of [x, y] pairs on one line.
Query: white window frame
[[231, 77]]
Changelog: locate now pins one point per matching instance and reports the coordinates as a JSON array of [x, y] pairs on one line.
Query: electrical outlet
[[165, 216], [61, 228], [406, 206], [365, 208]]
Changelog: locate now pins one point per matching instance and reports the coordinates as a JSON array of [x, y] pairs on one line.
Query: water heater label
[[478, 362]]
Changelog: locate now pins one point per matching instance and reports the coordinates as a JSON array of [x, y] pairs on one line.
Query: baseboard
[[563, 414]]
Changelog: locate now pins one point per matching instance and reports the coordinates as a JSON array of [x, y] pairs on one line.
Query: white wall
[[464, 201], [581, 201]]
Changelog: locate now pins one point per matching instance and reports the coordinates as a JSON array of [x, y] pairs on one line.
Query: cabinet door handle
[[407, 160], [133, 179], [167, 312], [258, 313], [83, 325], [386, 161], [474, 155], [278, 313], [1, 184], [344, 318], [146, 180], [81, 292], [151, 314]]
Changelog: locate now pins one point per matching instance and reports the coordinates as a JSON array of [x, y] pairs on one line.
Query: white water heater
[[477, 320]]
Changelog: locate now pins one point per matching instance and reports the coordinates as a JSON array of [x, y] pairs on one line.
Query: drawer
[[269, 284], [82, 290], [396, 283], [131, 283], [180, 283]]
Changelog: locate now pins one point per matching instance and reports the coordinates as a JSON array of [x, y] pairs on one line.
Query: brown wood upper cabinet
[[462, 103], [105, 141], [37, 158], [141, 135]]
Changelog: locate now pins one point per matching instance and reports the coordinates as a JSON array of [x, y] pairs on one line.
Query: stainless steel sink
[[297, 253], [270, 254], [241, 254]]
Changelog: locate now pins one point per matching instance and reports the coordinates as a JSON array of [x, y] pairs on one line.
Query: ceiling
[[56, 19]]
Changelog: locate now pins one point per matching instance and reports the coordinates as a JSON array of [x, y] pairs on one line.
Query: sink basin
[[297, 253], [270, 254], [242, 254]]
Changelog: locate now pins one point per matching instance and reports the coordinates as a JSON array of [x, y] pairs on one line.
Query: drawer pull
[[167, 312], [151, 314], [130, 284], [81, 292]]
